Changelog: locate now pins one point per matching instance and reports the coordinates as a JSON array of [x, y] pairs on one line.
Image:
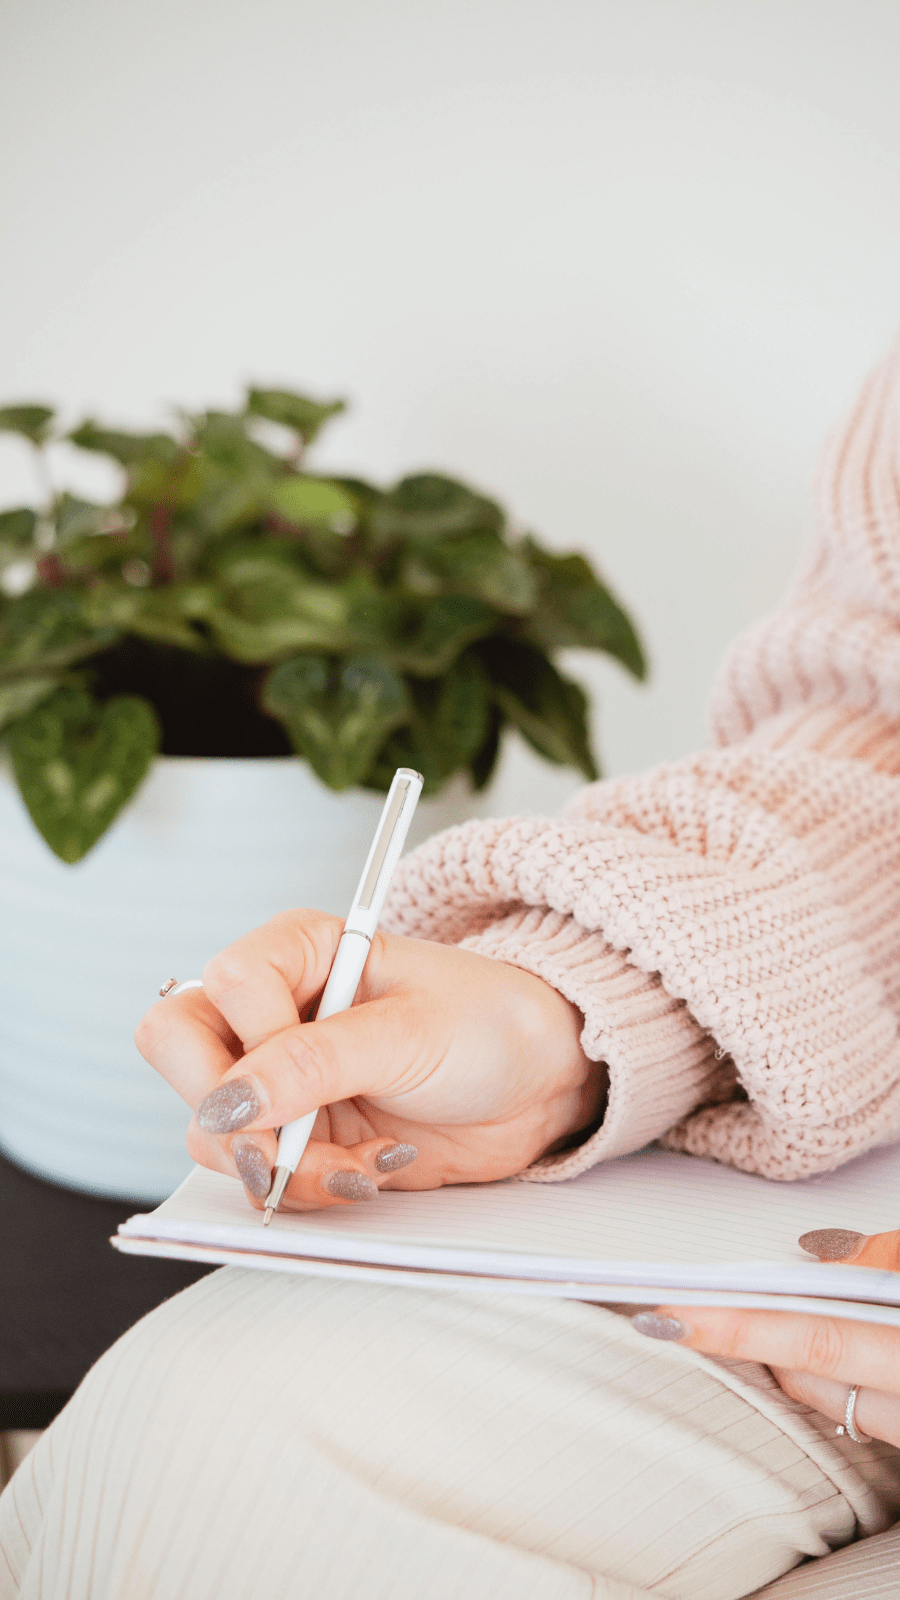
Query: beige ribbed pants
[[281, 1436]]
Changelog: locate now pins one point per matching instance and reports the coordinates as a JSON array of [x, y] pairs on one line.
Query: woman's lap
[[271, 1434]]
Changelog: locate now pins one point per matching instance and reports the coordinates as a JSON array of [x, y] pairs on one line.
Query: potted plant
[[204, 688]]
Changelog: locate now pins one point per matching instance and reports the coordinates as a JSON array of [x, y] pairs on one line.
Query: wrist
[[570, 1089], [590, 1118]]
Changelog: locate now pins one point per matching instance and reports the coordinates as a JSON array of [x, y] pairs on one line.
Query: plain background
[[623, 262]]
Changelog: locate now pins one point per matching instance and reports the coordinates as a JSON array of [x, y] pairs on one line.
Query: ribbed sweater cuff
[[661, 1064]]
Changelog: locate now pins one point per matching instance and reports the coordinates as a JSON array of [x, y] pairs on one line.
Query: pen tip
[[270, 1212]]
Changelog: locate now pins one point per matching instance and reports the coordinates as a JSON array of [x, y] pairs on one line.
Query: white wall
[[621, 261]]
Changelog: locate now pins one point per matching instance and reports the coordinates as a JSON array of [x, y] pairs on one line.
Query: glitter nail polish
[[831, 1244], [395, 1157], [351, 1186], [256, 1174], [229, 1107], [654, 1326]]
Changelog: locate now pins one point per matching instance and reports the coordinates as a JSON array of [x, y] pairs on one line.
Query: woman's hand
[[449, 1068], [814, 1359]]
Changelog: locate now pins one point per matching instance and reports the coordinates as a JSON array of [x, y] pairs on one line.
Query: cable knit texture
[[729, 925]]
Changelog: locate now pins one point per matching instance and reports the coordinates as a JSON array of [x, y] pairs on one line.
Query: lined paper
[[655, 1218]]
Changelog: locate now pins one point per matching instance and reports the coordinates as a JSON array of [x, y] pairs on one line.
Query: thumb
[[856, 1249]]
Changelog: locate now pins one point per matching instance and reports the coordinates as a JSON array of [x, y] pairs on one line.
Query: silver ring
[[848, 1426], [172, 986]]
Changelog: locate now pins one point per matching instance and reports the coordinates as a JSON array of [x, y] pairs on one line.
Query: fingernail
[[831, 1244], [256, 1174], [351, 1186], [657, 1327], [395, 1157], [229, 1107]]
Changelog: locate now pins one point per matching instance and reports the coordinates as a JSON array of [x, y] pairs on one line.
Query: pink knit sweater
[[729, 925]]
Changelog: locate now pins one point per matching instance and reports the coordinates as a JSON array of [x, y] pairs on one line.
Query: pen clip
[[382, 844], [390, 838]]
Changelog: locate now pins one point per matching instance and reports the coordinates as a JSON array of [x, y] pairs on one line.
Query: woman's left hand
[[815, 1359]]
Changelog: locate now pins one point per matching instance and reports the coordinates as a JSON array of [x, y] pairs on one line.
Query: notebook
[[650, 1227]]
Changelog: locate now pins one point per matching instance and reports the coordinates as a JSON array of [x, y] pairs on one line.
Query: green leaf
[[313, 501], [274, 616], [223, 501], [430, 506], [174, 484], [484, 761], [165, 615], [296, 411], [265, 606], [94, 539], [217, 498], [17, 530], [364, 494], [77, 763], [46, 629], [449, 624], [479, 564], [336, 714], [575, 609], [265, 603], [130, 449], [448, 725], [18, 698], [32, 421], [223, 437], [84, 519], [550, 711]]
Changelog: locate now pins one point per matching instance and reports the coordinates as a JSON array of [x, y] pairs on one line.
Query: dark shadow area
[[206, 704], [65, 1294]]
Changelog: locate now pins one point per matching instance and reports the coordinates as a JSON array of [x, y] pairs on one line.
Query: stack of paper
[[649, 1227]]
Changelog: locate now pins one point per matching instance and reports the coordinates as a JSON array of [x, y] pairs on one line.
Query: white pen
[[351, 953]]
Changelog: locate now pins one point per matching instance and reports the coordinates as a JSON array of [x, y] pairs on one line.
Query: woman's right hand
[[450, 1067]]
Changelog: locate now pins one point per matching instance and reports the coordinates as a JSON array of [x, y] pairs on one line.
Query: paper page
[[653, 1217], [621, 1295]]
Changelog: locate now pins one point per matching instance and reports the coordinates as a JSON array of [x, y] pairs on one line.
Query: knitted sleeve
[[729, 925]]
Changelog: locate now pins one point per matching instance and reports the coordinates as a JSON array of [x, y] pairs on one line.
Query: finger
[[219, 1155], [858, 1249], [330, 1174], [875, 1413], [829, 1347], [880, 1250], [373, 1049], [826, 1395], [189, 1042], [263, 983], [252, 1158]]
